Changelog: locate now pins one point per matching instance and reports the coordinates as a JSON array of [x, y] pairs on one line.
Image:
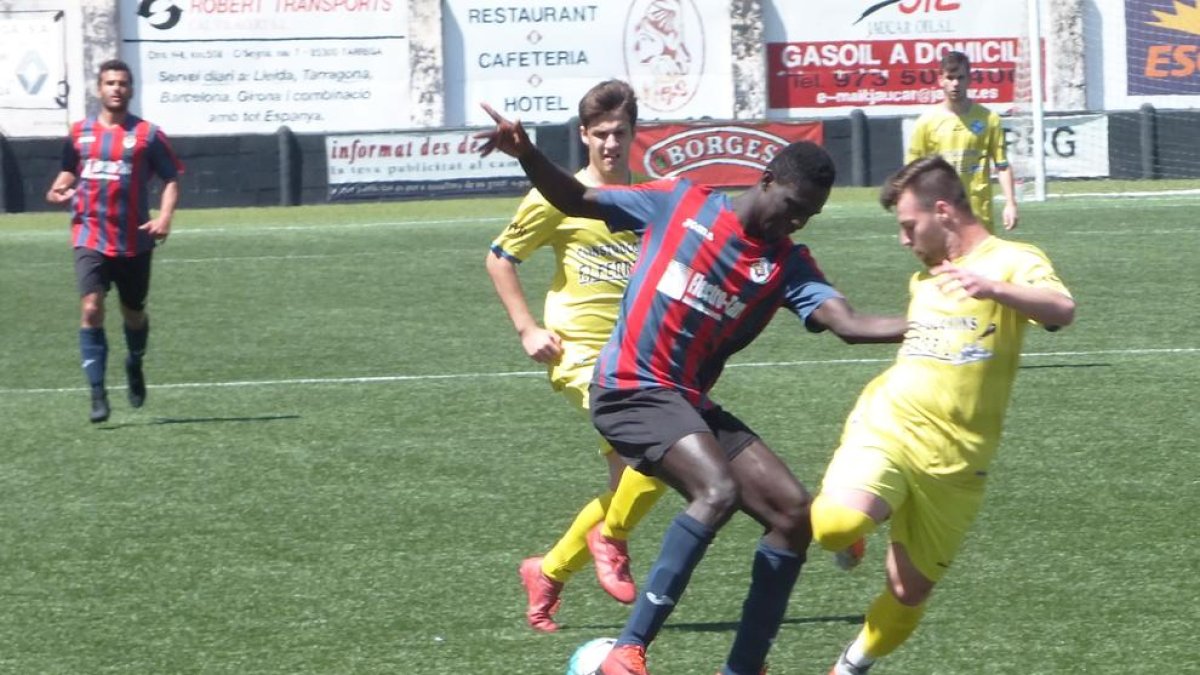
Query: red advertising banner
[[884, 72], [722, 154]]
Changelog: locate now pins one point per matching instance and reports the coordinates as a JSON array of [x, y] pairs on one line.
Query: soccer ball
[[587, 659]]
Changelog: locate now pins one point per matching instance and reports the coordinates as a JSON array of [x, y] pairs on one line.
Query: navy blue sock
[[772, 577], [683, 546], [135, 340], [93, 348]]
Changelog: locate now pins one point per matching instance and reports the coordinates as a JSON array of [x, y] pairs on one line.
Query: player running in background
[[711, 273], [917, 446], [970, 137], [106, 166], [591, 270]]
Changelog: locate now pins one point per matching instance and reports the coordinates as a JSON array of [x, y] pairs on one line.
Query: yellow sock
[[889, 623], [636, 493], [570, 554], [836, 526]]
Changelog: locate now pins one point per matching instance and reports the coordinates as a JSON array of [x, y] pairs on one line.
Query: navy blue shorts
[[96, 273], [642, 424]]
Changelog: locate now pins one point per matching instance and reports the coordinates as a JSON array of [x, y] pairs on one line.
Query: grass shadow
[[198, 420], [728, 626]]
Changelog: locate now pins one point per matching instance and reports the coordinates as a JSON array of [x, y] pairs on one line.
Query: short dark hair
[[953, 60], [803, 161], [114, 64], [606, 97], [931, 179]]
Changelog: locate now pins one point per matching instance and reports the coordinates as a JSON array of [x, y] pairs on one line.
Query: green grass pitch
[[345, 455]]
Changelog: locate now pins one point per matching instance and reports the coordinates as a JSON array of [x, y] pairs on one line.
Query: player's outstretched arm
[[541, 345], [558, 187], [1048, 307], [840, 318]]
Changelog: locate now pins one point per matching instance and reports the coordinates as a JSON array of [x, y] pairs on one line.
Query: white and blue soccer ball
[[587, 659]]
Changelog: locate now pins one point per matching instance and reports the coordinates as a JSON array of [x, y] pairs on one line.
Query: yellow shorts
[[572, 376], [930, 513]]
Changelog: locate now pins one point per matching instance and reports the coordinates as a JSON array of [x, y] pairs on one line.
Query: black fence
[[286, 169]]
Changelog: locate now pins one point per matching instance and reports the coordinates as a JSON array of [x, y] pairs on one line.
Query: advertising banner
[[417, 165], [723, 154], [534, 60], [33, 74], [1076, 146], [206, 67], [884, 56], [1162, 47]]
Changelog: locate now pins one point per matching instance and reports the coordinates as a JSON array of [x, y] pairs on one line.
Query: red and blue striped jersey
[[701, 289], [113, 166]]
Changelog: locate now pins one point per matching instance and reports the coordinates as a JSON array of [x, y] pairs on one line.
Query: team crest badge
[[977, 127], [129, 142], [760, 270]]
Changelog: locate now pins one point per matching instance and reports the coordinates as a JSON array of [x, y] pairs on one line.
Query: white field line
[[162, 257], [1183, 197], [1125, 195], [384, 379], [184, 231]]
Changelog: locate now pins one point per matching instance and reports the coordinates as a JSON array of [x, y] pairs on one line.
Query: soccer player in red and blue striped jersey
[[106, 167], [711, 272]]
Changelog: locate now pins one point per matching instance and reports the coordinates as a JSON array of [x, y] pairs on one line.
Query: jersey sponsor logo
[[699, 229], [760, 270], [950, 340], [105, 169], [600, 263], [629, 250], [599, 272], [682, 283]]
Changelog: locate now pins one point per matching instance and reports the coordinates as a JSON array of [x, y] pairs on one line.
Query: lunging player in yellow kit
[[917, 446], [970, 137], [592, 269]]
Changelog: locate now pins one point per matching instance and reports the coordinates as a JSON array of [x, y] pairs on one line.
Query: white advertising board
[[417, 165], [533, 60], [206, 67], [1076, 146], [33, 73]]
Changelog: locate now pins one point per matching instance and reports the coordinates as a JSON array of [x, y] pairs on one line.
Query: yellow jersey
[[942, 404], [592, 266], [972, 143]]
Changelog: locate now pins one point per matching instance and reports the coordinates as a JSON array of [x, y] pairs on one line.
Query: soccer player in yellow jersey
[[592, 270], [917, 445], [970, 137]]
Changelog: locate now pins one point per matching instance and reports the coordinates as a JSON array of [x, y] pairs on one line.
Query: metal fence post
[[1147, 136]]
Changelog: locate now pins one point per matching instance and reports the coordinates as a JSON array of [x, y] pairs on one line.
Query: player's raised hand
[[962, 282], [508, 137]]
